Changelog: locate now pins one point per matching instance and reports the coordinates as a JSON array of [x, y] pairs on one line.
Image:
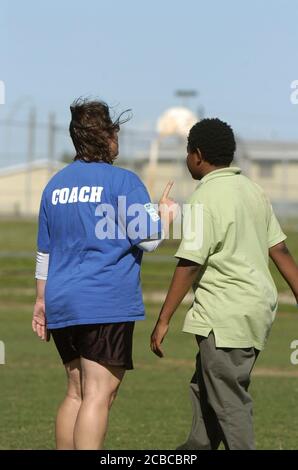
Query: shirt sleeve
[[140, 217], [199, 238], [275, 234], [43, 237]]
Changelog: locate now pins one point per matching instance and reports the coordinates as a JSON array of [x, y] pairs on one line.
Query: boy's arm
[[184, 275], [286, 265]]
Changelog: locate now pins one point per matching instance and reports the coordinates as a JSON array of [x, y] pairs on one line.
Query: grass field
[[152, 410]]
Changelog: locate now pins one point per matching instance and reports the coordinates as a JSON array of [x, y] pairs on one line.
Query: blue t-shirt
[[92, 216]]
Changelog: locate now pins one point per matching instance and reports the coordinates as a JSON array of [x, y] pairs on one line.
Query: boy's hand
[[158, 336], [39, 320]]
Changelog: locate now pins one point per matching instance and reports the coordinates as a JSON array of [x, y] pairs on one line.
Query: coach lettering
[[96, 194], [83, 194], [72, 195], [64, 195], [55, 196]]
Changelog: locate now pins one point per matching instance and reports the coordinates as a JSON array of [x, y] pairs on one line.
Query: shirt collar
[[228, 171]]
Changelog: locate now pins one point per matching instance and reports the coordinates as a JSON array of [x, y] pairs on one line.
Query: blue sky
[[241, 57]]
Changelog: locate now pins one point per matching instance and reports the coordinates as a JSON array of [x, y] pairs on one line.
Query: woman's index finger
[[167, 189]]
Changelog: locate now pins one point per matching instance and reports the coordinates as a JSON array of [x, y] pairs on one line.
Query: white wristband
[[42, 265], [151, 245]]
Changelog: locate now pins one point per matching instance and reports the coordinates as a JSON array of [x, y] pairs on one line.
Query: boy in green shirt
[[235, 296]]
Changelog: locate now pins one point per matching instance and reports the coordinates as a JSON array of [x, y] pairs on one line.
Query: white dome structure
[[176, 121]]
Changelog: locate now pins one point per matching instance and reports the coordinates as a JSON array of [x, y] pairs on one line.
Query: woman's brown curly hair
[[91, 129]]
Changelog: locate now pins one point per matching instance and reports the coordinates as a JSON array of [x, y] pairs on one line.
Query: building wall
[[20, 191], [280, 182]]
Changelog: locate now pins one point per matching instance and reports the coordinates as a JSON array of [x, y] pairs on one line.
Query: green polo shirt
[[235, 295]]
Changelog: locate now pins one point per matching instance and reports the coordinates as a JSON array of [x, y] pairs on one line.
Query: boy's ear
[[199, 156]]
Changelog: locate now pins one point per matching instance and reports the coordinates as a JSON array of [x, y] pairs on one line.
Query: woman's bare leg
[[100, 384], [69, 408]]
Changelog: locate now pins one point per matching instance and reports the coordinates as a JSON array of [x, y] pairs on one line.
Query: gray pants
[[222, 406]]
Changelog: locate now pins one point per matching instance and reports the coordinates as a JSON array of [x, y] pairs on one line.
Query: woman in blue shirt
[[95, 222]]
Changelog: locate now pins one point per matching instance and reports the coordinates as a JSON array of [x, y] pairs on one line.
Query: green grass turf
[[152, 410]]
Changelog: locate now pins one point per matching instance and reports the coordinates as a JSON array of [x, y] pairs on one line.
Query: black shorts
[[105, 343]]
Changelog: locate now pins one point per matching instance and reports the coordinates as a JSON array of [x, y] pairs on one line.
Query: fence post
[[51, 143], [30, 158]]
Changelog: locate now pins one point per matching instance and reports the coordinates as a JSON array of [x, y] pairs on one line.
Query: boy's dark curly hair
[[215, 140], [91, 128]]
